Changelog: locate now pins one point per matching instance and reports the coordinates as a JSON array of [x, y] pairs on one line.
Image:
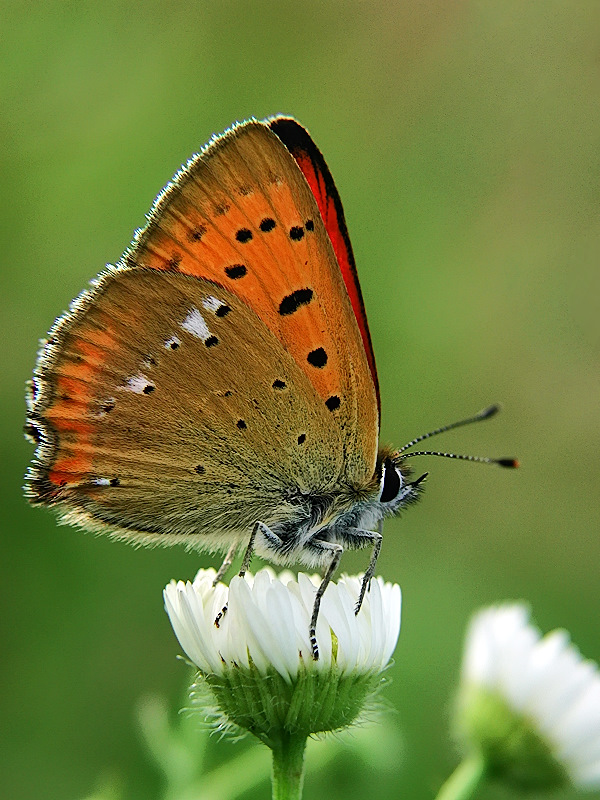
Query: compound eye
[[391, 482]]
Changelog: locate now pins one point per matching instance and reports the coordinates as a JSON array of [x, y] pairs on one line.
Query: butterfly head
[[395, 489]]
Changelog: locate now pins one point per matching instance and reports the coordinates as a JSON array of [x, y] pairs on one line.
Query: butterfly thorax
[[338, 515]]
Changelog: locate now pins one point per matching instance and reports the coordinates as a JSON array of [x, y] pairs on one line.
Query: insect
[[218, 386]]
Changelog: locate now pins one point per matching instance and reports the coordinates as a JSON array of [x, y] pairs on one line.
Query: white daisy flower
[[529, 704], [259, 658], [267, 622]]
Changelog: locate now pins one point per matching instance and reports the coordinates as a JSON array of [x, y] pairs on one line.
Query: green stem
[[465, 779], [288, 767]]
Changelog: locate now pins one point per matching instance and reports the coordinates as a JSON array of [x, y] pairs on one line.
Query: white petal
[[393, 612], [334, 607]]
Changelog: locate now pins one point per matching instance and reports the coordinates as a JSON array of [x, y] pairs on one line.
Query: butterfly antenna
[[487, 413]]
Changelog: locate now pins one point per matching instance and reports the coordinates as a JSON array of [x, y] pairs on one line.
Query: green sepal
[[315, 701], [510, 743]]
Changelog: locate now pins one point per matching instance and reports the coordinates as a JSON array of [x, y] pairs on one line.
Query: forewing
[[242, 214]]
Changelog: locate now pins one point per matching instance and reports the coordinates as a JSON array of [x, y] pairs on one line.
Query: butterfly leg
[[376, 538], [227, 561], [258, 526], [334, 552]]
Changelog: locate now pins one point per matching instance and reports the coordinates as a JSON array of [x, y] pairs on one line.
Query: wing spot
[[278, 384], [243, 235], [195, 324], [148, 388], [235, 271], [200, 469], [333, 402], [33, 432], [220, 209], [309, 225], [292, 302], [245, 190], [302, 438], [197, 233], [267, 224], [137, 383], [317, 358], [173, 343], [241, 424], [115, 482], [211, 341], [296, 233], [107, 406], [174, 262], [215, 305]]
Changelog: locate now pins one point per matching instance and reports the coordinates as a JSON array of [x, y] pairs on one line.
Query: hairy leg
[[226, 562], [267, 533], [333, 552]]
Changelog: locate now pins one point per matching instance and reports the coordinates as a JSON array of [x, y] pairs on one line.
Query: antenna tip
[[490, 411], [512, 463]]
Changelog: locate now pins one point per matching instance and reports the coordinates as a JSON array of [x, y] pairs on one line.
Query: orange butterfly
[[218, 387]]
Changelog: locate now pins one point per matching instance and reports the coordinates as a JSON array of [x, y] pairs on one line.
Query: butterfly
[[218, 386]]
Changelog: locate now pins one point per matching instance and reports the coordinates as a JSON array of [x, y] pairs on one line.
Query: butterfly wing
[[314, 168], [240, 218]]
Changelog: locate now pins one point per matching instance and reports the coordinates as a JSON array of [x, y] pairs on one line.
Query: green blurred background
[[463, 137]]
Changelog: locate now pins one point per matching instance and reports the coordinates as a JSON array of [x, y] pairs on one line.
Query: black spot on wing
[[241, 424], [211, 341], [317, 358], [333, 402], [278, 384], [296, 233], [243, 235], [33, 432], [292, 302], [222, 311], [267, 224], [235, 271]]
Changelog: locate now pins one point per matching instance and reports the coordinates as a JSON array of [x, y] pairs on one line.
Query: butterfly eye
[[391, 482]]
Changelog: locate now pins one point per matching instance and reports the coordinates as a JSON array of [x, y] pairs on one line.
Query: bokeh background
[[464, 139]]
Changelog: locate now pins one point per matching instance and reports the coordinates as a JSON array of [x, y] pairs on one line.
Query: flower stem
[[288, 767], [465, 779]]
